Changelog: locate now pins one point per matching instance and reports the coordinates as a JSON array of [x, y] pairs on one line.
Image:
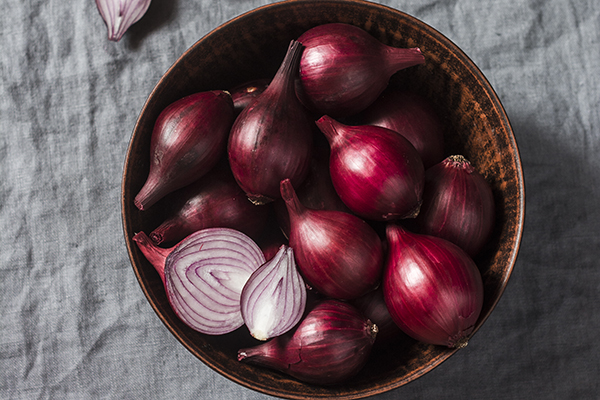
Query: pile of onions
[[333, 184]]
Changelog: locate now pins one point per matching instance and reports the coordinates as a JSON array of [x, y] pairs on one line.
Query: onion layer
[[433, 289]]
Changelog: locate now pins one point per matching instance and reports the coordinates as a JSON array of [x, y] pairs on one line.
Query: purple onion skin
[[432, 288], [377, 173], [458, 205], [339, 254], [244, 94], [329, 346], [344, 69], [189, 138], [372, 305], [273, 136], [215, 200], [316, 192], [411, 115]]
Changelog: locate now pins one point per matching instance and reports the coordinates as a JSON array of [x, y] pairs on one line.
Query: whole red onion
[[338, 253], [188, 139], [458, 205], [433, 289], [344, 69], [215, 200], [272, 138], [331, 344], [376, 172], [411, 115]]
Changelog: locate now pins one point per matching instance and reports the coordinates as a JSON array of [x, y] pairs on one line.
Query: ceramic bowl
[[252, 46]]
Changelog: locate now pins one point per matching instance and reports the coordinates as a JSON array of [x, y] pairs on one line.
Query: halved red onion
[[274, 297], [204, 275], [432, 288]]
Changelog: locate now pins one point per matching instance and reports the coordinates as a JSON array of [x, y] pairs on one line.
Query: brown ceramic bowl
[[252, 46]]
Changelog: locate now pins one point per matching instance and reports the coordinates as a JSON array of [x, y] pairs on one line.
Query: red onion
[[331, 344], [372, 305], [412, 116], [214, 200], [204, 275], [458, 205], [188, 139], [244, 94], [274, 297], [344, 69], [272, 138], [316, 192], [377, 173], [338, 253], [433, 289]]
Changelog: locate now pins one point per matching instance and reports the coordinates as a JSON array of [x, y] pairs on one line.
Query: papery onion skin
[[458, 205], [188, 139], [338, 253], [274, 297], [344, 69], [331, 345], [214, 200], [204, 275], [377, 173], [273, 136], [244, 94], [432, 288], [411, 115]]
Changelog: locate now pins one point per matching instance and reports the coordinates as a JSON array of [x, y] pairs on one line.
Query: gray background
[[74, 323]]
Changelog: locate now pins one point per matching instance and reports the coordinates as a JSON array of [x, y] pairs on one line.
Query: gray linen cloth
[[74, 323]]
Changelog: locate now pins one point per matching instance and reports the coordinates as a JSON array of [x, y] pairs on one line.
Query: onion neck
[[328, 126], [284, 79], [288, 194], [150, 193], [154, 254], [400, 58]]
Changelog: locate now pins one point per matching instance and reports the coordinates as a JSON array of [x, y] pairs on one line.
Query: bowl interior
[[252, 46]]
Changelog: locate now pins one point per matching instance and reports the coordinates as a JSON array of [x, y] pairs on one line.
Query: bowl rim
[[467, 63]]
